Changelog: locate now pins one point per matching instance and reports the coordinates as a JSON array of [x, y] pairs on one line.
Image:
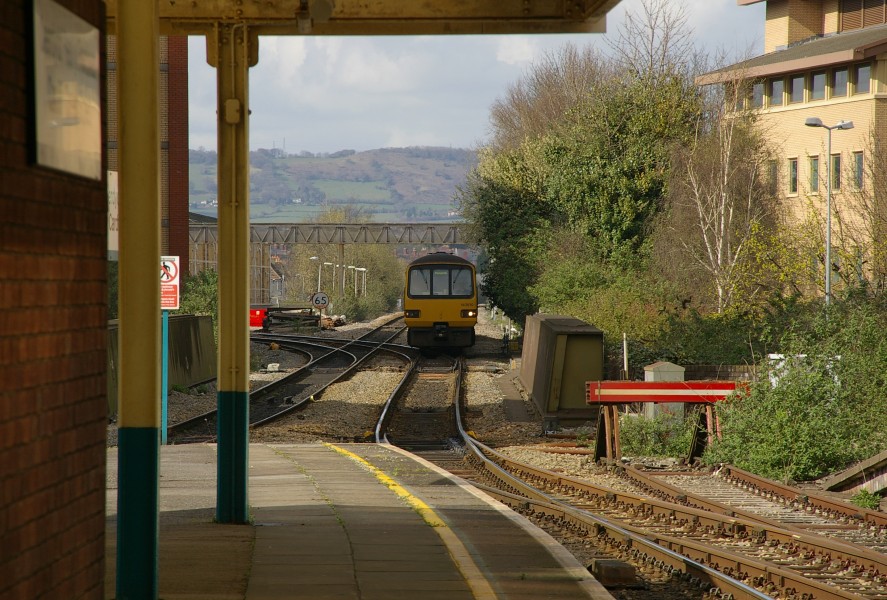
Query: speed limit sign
[[320, 300]]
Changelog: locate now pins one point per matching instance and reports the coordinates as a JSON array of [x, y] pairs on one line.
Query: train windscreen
[[441, 281]]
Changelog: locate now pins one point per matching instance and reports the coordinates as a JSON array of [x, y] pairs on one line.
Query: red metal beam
[[621, 392]]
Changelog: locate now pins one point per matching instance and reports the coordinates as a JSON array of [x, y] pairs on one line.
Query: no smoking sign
[[169, 283]]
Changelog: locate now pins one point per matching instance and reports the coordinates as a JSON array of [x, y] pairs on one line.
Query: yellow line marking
[[480, 587]]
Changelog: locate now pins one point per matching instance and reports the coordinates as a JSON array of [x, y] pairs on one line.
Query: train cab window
[[461, 282], [420, 282], [440, 282]]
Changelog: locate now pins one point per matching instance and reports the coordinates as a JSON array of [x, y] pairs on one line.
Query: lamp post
[[326, 264], [817, 122], [364, 273], [319, 265]]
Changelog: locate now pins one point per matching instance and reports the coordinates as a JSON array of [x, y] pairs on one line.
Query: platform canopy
[[381, 17]]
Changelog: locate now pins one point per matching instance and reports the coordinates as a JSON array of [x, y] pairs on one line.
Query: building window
[[796, 88], [817, 85], [839, 82], [793, 176], [777, 87], [814, 173], [836, 171], [858, 170], [862, 78], [757, 95]]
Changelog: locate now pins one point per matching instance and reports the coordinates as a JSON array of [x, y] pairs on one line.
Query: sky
[[325, 94]]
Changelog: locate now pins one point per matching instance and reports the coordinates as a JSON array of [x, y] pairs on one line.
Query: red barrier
[[621, 392]]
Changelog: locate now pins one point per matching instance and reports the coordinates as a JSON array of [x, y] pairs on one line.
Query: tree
[[504, 218], [860, 220], [384, 271], [606, 173], [200, 296], [719, 195], [581, 146], [655, 42], [540, 101]]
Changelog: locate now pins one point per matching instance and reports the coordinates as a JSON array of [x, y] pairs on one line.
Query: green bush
[[825, 408], [664, 435], [866, 499]]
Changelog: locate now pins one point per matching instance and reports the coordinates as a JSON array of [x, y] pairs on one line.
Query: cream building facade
[[825, 59]]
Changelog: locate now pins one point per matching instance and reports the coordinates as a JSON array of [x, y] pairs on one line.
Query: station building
[[53, 302], [824, 59]]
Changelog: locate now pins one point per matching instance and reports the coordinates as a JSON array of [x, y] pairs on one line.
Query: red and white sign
[[620, 392], [169, 283]]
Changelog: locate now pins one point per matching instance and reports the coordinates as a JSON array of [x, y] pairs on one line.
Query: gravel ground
[[347, 411]]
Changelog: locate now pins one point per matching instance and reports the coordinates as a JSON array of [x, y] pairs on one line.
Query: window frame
[[815, 94], [856, 78], [859, 169], [835, 171], [781, 95], [814, 174], [433, 274], [792, 80], [756, 95], [773, 176], [792, 176], [833, 80]]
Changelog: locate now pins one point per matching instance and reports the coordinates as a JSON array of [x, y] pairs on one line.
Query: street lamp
[[326, 264], [817, 122], [319, 267], [363, 271]]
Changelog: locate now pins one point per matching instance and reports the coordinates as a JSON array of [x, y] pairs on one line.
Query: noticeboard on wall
[[67, 91]]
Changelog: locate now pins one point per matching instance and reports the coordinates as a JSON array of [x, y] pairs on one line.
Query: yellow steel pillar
[[232, 50], [138, 416]]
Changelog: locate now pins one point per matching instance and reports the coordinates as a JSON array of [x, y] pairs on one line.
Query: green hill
[[390, 184]]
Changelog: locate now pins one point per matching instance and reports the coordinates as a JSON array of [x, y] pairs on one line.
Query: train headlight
[[467, 314], [412, 314]]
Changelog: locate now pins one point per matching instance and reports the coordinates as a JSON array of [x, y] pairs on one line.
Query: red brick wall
[[53, 297], [177, 91], [173, 140]]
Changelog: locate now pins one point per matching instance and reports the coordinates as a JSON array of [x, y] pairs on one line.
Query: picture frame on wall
[[67, 91]]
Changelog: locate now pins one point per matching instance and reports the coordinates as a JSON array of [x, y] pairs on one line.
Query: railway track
[[434, 390], [751, 496], [774, 558], [329, 360], [711, 547], [420, 415]]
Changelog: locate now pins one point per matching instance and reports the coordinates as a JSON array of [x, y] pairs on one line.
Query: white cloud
[[516, 50], [324, 94]]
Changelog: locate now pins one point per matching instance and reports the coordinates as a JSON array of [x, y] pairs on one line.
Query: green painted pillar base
[[232, 504], [138, 516]]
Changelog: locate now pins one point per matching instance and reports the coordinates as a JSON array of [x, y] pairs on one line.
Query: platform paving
[[325, 526]]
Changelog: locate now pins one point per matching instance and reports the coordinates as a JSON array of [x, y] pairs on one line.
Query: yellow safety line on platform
[[480, 587]]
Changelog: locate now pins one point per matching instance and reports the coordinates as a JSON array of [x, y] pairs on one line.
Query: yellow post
[[232, 50], [138, 416]]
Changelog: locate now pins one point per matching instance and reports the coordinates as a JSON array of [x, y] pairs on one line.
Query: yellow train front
[[440, 301]]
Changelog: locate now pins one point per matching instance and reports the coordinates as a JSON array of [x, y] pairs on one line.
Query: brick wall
[[53, 339], [177, 102], [789, 21], [173, 92]]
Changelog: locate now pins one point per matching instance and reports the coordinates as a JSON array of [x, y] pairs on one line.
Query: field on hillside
[[391, 184]]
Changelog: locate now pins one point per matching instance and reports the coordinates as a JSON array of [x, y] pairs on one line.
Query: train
[[440, 301]]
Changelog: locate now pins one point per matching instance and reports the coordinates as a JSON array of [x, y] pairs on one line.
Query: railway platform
[[351, 521]]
